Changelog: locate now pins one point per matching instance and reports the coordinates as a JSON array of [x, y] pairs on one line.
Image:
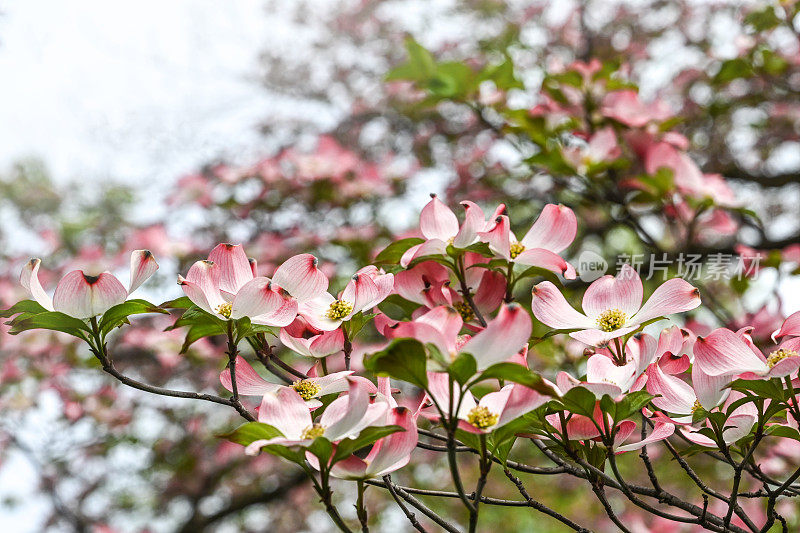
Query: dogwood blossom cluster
[[457, 339]]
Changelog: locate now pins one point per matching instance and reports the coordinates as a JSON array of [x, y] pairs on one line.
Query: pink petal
[[300, 276], [711, 390], [248, 381], [29, 278], [394, 451], [429, 247], [676, 396], [723, 352], [321, 345], [425, 333], [601, 369], [642, 349], [661, 431], [384, 282], [259, 300], [413, 283], [490, 293], [345, 412], [521, 400], [503, 336], [790, 327], [673, 296], [351, 468], [82, 296], [623, 292], [203, 287], [498, 236], [143, 265], [554, 229], [624, 430], [474, 221], [234, 268], [253, 266], [546, 259], [552, 309], [286, 411], [315, 312], [337, 382], [445, 320], [361, 291], [437, 221]]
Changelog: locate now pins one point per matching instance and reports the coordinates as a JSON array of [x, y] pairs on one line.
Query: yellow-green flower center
[[481, 417], [225, 309], [696, 406], [779, 355], [611, 320], [464, 310], [313, 431], [339, 309], [516, 249], [306, 388]]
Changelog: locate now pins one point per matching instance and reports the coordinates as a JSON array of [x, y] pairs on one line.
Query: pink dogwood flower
[[440, 228], [580, 427], [602, 147], [551, 233], [503, 337], [83, 296], [345, 417], [367, 288], [227, 286], [389, 453], [726, 353], [612, 306], [492, 411], [679, 398], [250, 383], [626, 107], [428, 283], [300, 337]]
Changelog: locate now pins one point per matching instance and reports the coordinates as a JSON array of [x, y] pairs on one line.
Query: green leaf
[[30, 307], [397, 308], [391, 254], [119, 313], [463, 368], [479, 247], [368, 436], [194, 316], [733, 69], [199, 331], [52, 320], [787, 432], [579, 401], [632, 404], [357, 323], [178, 303], [517, 373], [541, 272], [763, 388], [250, 432], [322, 448], [766, 19], [403, 359], [608, 406], [420, 66]]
